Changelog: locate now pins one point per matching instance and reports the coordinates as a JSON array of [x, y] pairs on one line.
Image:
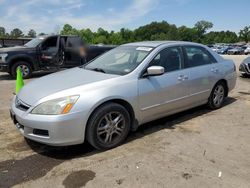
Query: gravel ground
[[195, 148]]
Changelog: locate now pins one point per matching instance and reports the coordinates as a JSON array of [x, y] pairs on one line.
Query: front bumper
[[244, 68], [55, 130], [4, 67]]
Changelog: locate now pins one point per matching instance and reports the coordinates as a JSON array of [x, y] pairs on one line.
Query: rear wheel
[[25, 69], [217, 96], [108, 126]]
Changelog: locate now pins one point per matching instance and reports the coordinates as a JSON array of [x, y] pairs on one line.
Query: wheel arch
[[123, 103], [25, 58]]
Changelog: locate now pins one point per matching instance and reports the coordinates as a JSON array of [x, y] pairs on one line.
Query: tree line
[[17, 33], [153, 31]]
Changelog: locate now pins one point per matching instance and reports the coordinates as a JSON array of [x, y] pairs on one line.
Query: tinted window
[[169, 58], [197, 56], [74, 42], [50, 42]]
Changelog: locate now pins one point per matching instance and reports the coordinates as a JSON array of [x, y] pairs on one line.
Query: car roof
[[158, 43]]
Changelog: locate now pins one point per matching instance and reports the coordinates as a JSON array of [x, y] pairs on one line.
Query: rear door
[[202, 71], [72, 51], [167, 93]]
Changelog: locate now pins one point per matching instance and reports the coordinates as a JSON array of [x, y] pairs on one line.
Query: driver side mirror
[[155, 71]]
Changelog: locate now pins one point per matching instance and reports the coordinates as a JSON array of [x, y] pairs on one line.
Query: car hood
[[53, 83], [15, 49]]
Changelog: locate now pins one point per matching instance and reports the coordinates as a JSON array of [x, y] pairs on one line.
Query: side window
[[169, 58], [197, 56], [74, 42], [50, 43]]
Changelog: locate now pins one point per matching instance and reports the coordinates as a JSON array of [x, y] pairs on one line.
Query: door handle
[[215, 70], [182, 77]]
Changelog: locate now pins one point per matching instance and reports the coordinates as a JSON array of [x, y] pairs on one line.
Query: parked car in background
[[245, 67], [247, 50], [223, 50], [132, 84], [215, 49], [49, 53], [236, 51]]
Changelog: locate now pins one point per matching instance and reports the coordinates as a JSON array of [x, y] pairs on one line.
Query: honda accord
[[128, 86]]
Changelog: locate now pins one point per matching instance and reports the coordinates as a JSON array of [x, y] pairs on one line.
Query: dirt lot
[[190, 149]]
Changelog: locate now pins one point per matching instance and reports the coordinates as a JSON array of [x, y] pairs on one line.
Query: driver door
[[49, 51], [166, 93]]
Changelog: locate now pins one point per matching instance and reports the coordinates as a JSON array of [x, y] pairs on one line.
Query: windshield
[[34, 42], [121, 60]]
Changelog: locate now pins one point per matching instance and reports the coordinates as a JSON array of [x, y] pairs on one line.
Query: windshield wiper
[[98, 70]]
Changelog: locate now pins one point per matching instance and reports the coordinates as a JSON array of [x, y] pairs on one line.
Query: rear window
[[197, 56]]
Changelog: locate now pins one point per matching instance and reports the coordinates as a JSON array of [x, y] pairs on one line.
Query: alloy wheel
[[110, 127], [218, 95], [24, 69]]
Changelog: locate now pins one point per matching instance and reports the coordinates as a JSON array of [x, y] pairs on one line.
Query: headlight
[[3, 56], [56, 106]]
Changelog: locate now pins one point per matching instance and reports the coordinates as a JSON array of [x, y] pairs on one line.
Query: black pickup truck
[[48, 53]]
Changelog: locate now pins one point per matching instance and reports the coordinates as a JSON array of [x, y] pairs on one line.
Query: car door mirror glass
[[155, 70]]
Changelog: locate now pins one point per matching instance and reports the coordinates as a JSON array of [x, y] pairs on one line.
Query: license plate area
[[18, 125]]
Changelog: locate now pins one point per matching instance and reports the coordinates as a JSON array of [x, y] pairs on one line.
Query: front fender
[[23, 57]]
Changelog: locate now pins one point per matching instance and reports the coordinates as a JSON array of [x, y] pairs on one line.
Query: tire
[[102, 133], [25, 67], [217, 96]]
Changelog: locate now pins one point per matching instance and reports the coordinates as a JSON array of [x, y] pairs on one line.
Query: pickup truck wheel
[[25, 68], [217, 96], [108, 126]]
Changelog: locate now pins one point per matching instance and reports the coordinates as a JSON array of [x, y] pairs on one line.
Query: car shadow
[[85, 149], [245, 76]]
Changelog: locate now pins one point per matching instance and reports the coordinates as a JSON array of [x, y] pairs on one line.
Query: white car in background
[[247, 50]]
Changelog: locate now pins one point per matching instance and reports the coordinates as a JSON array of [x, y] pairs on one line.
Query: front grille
[[21, 105]]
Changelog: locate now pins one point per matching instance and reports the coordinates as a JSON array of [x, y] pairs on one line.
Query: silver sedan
[[130, 85]]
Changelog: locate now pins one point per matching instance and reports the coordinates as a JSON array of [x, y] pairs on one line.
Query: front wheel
[[108, 127], [217, 96], [25, 69]]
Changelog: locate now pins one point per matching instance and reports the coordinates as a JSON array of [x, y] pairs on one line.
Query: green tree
[[87, 35], [156, 31], [69, 30], [245, 34], [16, 33], [220, 37], [2, 32], [115, 38], [100, 40], [32, 33], [187, 34], [202, 27], [126, 35]]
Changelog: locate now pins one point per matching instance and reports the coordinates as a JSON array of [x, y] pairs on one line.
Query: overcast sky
[[50, 15]]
